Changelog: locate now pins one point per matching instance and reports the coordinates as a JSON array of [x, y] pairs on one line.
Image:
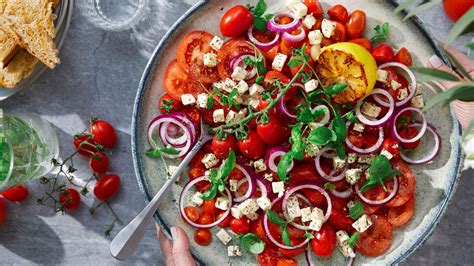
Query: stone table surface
[[99, 75]]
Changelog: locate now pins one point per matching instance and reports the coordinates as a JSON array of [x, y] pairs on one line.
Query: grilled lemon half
[[351, 64]]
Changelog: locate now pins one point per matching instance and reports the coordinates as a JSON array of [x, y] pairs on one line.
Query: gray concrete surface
[[99, 76]]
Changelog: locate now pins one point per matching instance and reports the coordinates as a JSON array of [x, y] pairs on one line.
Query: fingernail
[[174, 233], [435, 61]]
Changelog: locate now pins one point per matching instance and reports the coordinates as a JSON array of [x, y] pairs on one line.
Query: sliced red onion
[[274, 26], [294, 38], [435, 151], [186, 188], [378, 202], [406, 73], [369, 150], [261, 45], [272, 154], [343, 194], [285, 213], [166, 129], [376, 122], [327, 114], [420, 134], [329, 177], [283, 109], [250, 175], [239, 61]]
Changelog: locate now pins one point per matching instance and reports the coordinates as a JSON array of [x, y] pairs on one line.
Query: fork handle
[[126, 242]]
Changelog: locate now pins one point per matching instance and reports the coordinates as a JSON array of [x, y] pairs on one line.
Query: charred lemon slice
[[351, 64]]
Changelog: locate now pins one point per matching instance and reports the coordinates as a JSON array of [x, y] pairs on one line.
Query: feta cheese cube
[[315, 225], [202, 100], [218, 116], [351, 158], [210, 160], [327, 28], [239, 73], [252, 216], [210, 60], [312, 150], [234, 251], [342, 237], [370, 109], [248, 206], [290, 3], [402, 94], [254, 103], [259, 166], [387, 154], [344, 248], [188, 99], [242, 87], [352, 175], [236, 213], [359, 127], [279, 62], [306, 214], [233, 185], [382, 75], [268, 177], [196, 199], [222, 203], [229, 85], [230, 116], [255, 90], [395, 85], [218, 85], [264, 203], [278, 187], [315, 37], [293, 207], [418, 101], [311, 85], [309, 21], [315, 52], [365, 159], [299, 9], [338, 163], [346, 251], [317, 214], [216, 43], [362, 224], [223, 236]]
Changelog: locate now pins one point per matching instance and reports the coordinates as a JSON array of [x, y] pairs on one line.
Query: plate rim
[[144, 85]]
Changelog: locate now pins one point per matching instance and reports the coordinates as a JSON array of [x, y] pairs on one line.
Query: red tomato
[[85, 145], [409, 133], [271, 132], [203, 237], [356, 139], [356, 25], [205, 218], [286, 261], [303, 172], [16, 194], [292, 252], [338, 13], [324, 241], [391, 145], [455, 9], [221, 147], [327, 41], [340, 220], [240, 226], [70, 199], [226, 222], [268, 257], [209, 206], [229, 51], [106, 186], [192, 213], [252, 147], [377, 239], [264, 104], [399, 216], [406, 185], [236, 21], [404, 57], [99, 163], [307, 69], [196, 161], [167, 104], [363, 42], [199, 171], [192, 113], [3, 212], [177, 82], [383, 54], [104, 134], [339, 34], [273, 75], [314, 7], [271, 54], [191, 51], [286, 46]]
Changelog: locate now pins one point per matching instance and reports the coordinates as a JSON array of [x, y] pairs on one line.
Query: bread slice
[[20, 67], [30, 23], [8, 49]]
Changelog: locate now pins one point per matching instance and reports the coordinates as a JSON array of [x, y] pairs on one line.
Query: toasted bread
[[20, 67], [8, 49]]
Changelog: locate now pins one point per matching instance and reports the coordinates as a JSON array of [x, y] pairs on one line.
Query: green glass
[[27, 145]]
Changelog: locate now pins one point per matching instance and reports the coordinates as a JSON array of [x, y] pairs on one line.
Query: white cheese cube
[[370, 109], [255, 90], [242, 87], [386, 153], [233, 185], [248, 206], [315, 37], [359, 127], [365, 159], [268, 177], [259, 166], [218, 115], [230, 116], [202, 100], [338, 163], [293, 207], [382, 75], [351, 158], [402, 94], [216, 43], [299, 9], [342, 237], [218, 84], [306, 214], [210, 160], [278, 187], [188, 99], [239, 73], [315, 52], [252, 216], [264, 203], [223, 236], [210, 60], [222, 203], [229, 85], [309, 21], [317, 214], [290, 3], [279, 62], [395, 85], [254, 103], [311, 85], [352, 176], [418, 101], [346, 251], [362, 224], [327, 28], [315, 225], [234, 251], [312, 150], [196, 199], [236, 213]]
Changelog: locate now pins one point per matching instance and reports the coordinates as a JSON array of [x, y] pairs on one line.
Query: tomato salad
[[314, 127]]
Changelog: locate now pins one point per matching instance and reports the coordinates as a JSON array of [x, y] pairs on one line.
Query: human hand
[[176, 251]]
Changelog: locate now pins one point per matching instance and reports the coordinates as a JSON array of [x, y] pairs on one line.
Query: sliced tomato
[[406, 185], [228, 51], [286, 261], [341, 220], [268, 257], [398, 216], [191, 51], [176, 82], [271, 53], [377, 239]]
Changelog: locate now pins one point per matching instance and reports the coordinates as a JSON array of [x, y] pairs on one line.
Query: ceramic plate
[[64, 15], [436, 182]]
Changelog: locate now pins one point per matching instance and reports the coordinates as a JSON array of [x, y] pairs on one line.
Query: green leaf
[[308, 235], [403, 6], [169, 151], [357, 210], [470, 45], [458, 65], [285, 236], [297, 146], [274, 218], [463, 92], [260, 24], [321, 136], [329, 186], [284, 164], [210, 193], [353, 239], [340, 150], [260, 8], [295, 62], [228, 165], [251, 243], [351, 117], [382, 31], [339, 127], [304, 116], [335, 89], [210, 102], [422, 8], [462, 24], [260, 80], [379, 171], [435, 74], [153, 153]]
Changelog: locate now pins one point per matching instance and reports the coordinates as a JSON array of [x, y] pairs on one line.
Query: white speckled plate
[[436, 182]]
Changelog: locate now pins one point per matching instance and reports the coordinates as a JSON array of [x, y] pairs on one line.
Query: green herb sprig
[[259, 17], [251, 243], [357, 210], [216, 176], [379, 172], [285, 235]]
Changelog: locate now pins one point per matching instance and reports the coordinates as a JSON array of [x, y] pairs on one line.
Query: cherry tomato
[[406, 185], [199, 171], [391, 145], [273, 75], [307, 69], [339, 34], [286, 261], [85, 144], [240, 226], [455, 9], [268, 257], [356, 24], [383, 54], [324, 241], [209, 206], [176, 82], [409, 133], [70, 199], [192, 213], [303, 172], [399, 216], [252, 147], [3, 212], [264, 104], [377, 239], [226, 222], [229, 51], [203, 237], [196, 161], [271, 132], [106, 186], [257, 228], [167, 104], [327, 41], [404, 57], [221, 147], [271, 53], [338, 13], [99, 163], [16, 194], [363, 42], [104, 133], [286, 46], [236, 21], [340, 220], [314, 7], [206, 219]]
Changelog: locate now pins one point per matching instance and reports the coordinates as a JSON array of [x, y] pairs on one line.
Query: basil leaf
[[329, 186], [297, 147], [339, 127], [228, 165], [210, 193], [308, 235], [260, 80], [169, 151], [379, 171], [357, 210], [305, 116], [435, 74], [274, 218], [251, 243], [340, 150], [353, 239], [321, 136], [153, 153], [210, 102], [260, 24], [284, 164], [294, 62], [335, 89], [351, 117], [285, 236], [260, 8]]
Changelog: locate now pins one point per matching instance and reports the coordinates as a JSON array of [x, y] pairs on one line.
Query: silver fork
[[126, 242]]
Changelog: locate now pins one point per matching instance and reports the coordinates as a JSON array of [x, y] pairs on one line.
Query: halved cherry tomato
[[268, 257], [236, 21], [406, 185], [304, 172], [99, 163], [70, 199], [339, 13], [197, 159], [324, 241], [230, 50], [356, 24], [327, 41], [85, 144], [286, 261], [203, 237], [167, 104], [363, 42], [271, 53], [193, 113], [226, 222], [340, 220], [293, 252], [252, 147], [206, 218], [383, 54], [314, 7], [455, 9], [176, 82], [199, 171], [192, 213], [16, 194], [404, 57], [104, 133], [273, 75], [377, 239], [264, 104], [106, 187], [391, 145], [399, 216], [271, 132], [286, 47], [221, 147], [339, 34], [209, 206], [409, 133], [240, 226]]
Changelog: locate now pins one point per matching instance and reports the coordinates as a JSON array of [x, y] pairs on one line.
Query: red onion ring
[[261, 45], [408, 74], [382, 120], [329, 177], [238, 61], [272, 25], [166, 129], [378, 202], [342, 194], [183, 213], [422, 130], [285, 212], [294, 38], [251, 177], [428, 158], [369, 150], [283, 109], [274, 153]]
